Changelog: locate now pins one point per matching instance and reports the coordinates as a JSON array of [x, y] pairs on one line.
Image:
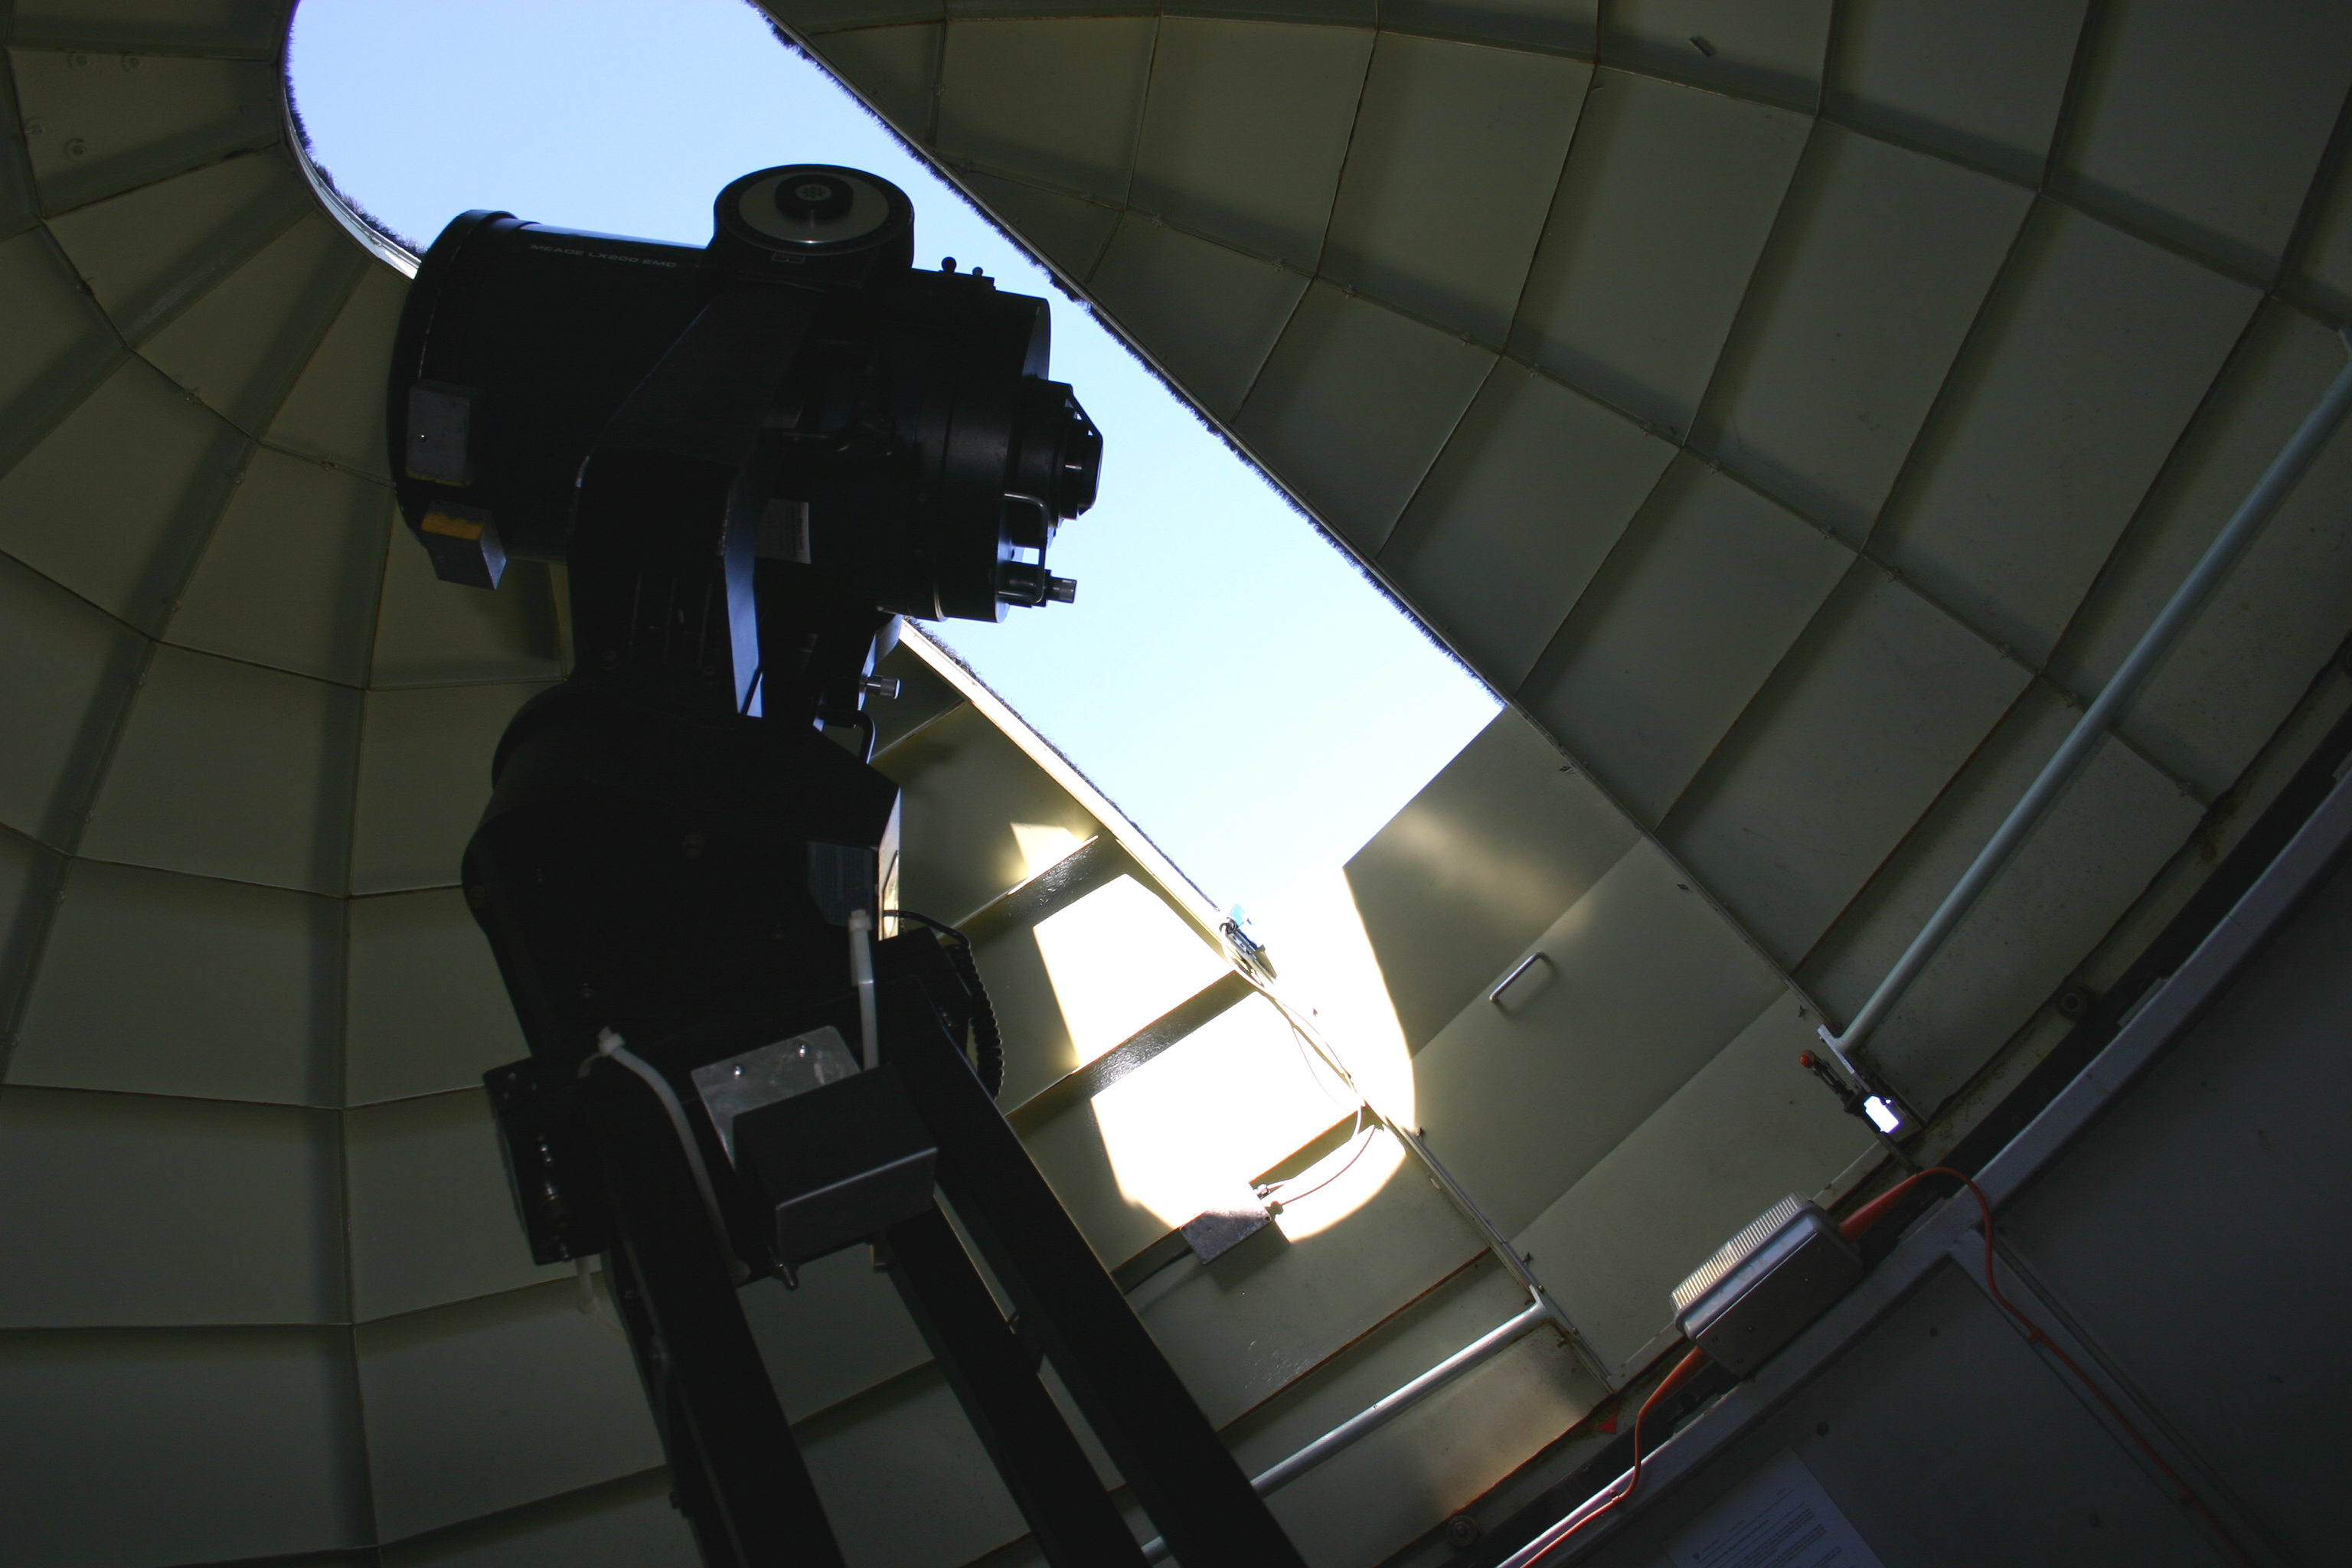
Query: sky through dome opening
[[1227, 676]]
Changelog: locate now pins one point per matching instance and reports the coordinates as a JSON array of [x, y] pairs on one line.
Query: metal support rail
[[1496, 1242], [2273, 488], [1364, 1423]]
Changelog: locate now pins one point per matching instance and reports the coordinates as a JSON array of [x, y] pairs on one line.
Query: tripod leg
[[1041, 1464], [689, 1487], [726, 1435], [1132, 1398]]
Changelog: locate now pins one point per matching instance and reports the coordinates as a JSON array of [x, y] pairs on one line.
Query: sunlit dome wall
[[1794, 410]]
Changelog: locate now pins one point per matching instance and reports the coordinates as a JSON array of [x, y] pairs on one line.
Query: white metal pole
[[1372, 1418], [2276, 483]]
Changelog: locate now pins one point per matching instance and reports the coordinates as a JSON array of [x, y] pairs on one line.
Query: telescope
[[752, 459]]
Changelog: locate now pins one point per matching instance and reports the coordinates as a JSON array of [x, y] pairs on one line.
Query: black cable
[[987, 1041]]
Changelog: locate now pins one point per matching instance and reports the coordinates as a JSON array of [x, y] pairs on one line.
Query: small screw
[[1462, 1530], [76, 147], [2074, 1001]]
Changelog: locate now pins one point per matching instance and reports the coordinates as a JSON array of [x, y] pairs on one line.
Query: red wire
[[1854, 1225], [1870, 1213], [1673, 1381]]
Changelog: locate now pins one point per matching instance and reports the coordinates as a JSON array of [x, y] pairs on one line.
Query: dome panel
[[2321, 270], [289, 577], [2092, 354], [848, 1307], [1566, 26], [241, 344], [1058, 101], [1522, 1103], [238, 993], [490, 1404], [1217, 310], [1360, 13], [18, 206], [1679, 630], [627, 1523], [1246, 128], [146, 254], [1066, 230], [965, 787], [431, 1221], [128, 1209], [335, 412], [1858, 732], [121, 535], [1766, 51], [2206, 123], [1454, 156], [1457, 884], [1353, 406], [1020, 987], [1877, 268], [29, 875], [66, 671], [245, 1445], [424, 777], [57, 339], [816, 15], [427, 1012], [98, 122], [427, 636], [1532, 491], [1635, 1221], [908, 1441], [1981, 83], [903, 64], [249, 27], [1669, 194], [229, 770]]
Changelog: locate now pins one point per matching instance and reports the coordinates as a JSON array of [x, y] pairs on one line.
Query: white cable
[[611, 1044], [861, 972]]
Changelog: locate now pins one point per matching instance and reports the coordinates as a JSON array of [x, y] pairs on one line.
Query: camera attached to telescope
[[751, 459]]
